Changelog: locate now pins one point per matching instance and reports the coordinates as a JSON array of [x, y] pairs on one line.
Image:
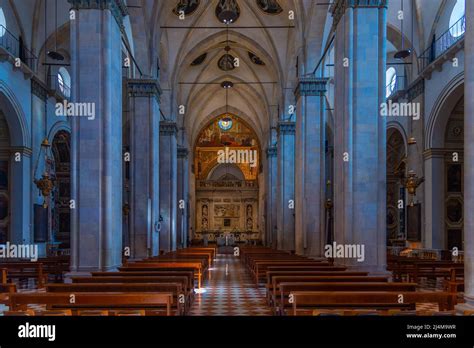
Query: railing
[[443, 43], [16, 48], [61, 88], [251, 184]]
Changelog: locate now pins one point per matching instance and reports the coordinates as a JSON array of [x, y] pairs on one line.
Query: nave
[[259, 281]]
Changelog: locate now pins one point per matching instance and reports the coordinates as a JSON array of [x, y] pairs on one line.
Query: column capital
[[182, 152], [272, 151], [286, 127], [168, 128], [144, 88], [117, 7], [311, 86], [39, 89], [339, 7]]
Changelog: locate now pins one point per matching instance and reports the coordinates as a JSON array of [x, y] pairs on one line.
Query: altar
[[228, 238]]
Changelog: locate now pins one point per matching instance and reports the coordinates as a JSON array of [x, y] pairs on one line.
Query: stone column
[[168, 185], [309, 166], [271, 203], [96, 146], [469, 157], [183, 197], [144, 166], [360, 131], [286, 186], [433, 236]]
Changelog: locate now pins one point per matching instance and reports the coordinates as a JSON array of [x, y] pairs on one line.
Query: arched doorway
[[396, 199], [226, 169], [61, 213]]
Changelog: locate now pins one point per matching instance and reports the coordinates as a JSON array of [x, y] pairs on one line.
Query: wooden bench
[[189, 274], [260, 267], [106, 301], [310, 300], [285, 289], [3, 275], [331, 278], [184, 281], [176, 289], [184, 266], [5, 291], [22, 270]]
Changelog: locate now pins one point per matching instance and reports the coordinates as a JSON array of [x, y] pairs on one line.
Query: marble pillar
[[183, 198], [309, 166], [168, 185], [469, 158], [434, 231], [96, 144], [286, 186], [144, 166], [360, 131], [271, 198]]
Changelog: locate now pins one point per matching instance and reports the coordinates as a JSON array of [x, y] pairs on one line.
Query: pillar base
[[463, 307]]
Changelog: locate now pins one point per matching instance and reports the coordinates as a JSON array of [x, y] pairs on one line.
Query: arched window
[[391, 78], [64, 82], [457, 27], [3, 23]]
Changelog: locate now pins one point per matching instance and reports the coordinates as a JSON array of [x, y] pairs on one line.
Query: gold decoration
[[45, 185], [411, 184]]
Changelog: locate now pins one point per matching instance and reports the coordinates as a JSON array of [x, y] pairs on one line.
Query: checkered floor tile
[[230, 292]]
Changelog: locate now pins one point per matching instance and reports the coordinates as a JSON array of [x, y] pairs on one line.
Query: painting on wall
[[227, 210]]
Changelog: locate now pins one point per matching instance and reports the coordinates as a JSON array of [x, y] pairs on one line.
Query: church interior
[[236, 158]]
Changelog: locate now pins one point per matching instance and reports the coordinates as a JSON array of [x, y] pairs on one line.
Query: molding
[[272, 151], [311, 86], [339, 7], [39, 89], [436, 153], [168, 128], [117, 7], [144, 88], [286, 127], [182, 152], [26, 151]]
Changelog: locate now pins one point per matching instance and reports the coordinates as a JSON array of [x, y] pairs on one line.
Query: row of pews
[[158, 286], [297, 285]]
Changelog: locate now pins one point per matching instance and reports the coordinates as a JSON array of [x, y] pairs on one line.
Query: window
[[391, 78], [457, 27], [3, 23], [64, 82]]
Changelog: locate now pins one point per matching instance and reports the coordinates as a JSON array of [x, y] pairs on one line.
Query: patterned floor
[[230, 292]]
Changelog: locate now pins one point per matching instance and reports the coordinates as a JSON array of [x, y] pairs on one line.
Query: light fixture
[[227, 11], [411, 141], [227, 84], [46, 183]]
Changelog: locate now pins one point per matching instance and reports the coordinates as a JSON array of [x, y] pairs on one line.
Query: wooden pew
[[3, 275], [185, 266], [5, 292], [19, 301], [302, 301], [25, 270], [302, 273], [189, 274], [259, 268], [285, 289], [329, 278], [184, 281], [176, 289]]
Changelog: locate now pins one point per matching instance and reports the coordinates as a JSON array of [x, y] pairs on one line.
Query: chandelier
[[46, 183]]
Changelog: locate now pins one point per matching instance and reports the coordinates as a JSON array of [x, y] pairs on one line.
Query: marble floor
[[229, 291]]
